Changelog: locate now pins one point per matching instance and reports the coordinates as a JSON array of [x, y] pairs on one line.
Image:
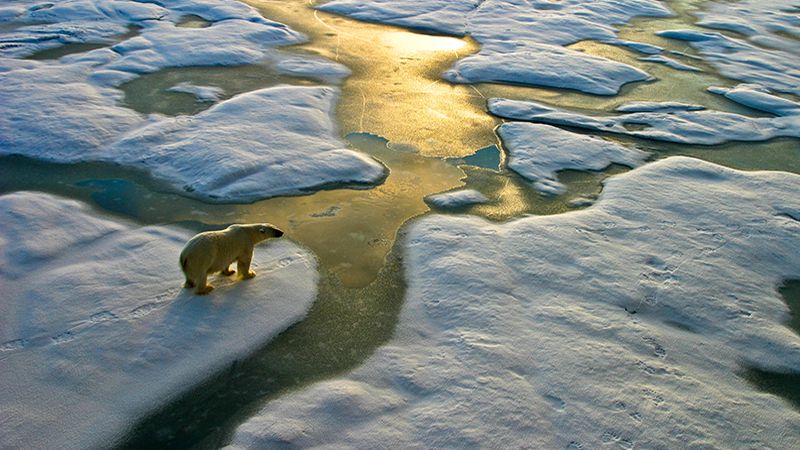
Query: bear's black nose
[[278, 233]]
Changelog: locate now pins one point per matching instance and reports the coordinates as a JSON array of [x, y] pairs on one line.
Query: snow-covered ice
[[643, 106], [756, 97], [544, 65], [768, 52], [623, 324], [201, 93], [273, 141], [456, 199], [670, 123], [69, 111], [521, 42], [538, 152], [669, 62], [95, 329]]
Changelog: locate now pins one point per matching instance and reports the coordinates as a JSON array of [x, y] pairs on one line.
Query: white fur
[[214, 251]]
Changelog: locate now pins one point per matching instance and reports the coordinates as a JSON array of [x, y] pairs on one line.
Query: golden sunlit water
[[395, 90], [395, 108]]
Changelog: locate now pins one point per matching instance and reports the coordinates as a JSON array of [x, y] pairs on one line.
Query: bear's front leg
[[243, 266], [227, 271]]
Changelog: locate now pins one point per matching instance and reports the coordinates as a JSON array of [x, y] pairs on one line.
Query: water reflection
[[395, 90]]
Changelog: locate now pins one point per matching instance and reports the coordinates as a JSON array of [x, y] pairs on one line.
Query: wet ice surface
[[509, 337], [538, 152], [95, 329], [247, 148], [87, 122], [765, 53], [539, 29], [456, 199], [667, 123]]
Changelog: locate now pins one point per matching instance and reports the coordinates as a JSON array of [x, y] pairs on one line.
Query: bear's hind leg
[[203, 287]]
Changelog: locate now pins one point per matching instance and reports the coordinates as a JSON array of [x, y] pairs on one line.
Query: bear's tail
[[183, 263]]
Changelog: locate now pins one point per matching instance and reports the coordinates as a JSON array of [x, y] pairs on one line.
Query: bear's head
[[265, 231]]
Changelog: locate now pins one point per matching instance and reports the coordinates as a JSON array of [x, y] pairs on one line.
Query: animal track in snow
[[16, 344], [555, 401]]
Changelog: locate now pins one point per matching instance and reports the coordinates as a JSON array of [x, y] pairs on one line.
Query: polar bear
[[214, 251]]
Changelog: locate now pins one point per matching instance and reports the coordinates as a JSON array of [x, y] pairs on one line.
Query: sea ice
[[69, 110], [538, 152], [544, 65], [96, 331], [521, 42], [623, 324], [249, 147], [777, 68], [682, 125], [669, 62], [201, 93], [456, 199]]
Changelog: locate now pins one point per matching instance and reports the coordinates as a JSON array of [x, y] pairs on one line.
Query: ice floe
[[756, 97], [624, 324], [96, 331], [767, 53], [669, 62], [544, 65], [68, 111], [668, 123], [538, 152], [456, 199], [521, 42], [270, 142], [201, 93]]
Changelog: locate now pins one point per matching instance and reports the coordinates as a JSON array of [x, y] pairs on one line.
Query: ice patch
[[456, 199], [681, 125], [538, 152], [202, 93], [544, 65], [624, 324], [49, 112], [96, 331], [657, 107], [68, 111], [521, 42], [230, 42], [777, 68], [756, 97], [274, 141], [669, 62]]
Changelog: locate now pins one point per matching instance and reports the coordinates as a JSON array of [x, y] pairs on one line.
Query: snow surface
[[69, 111], [95, 329], [538, 152], [521, 42], [456, 199], [201, 93], [516, 335], [668, 123], [768, 54], [669, 62], [273, 141]]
